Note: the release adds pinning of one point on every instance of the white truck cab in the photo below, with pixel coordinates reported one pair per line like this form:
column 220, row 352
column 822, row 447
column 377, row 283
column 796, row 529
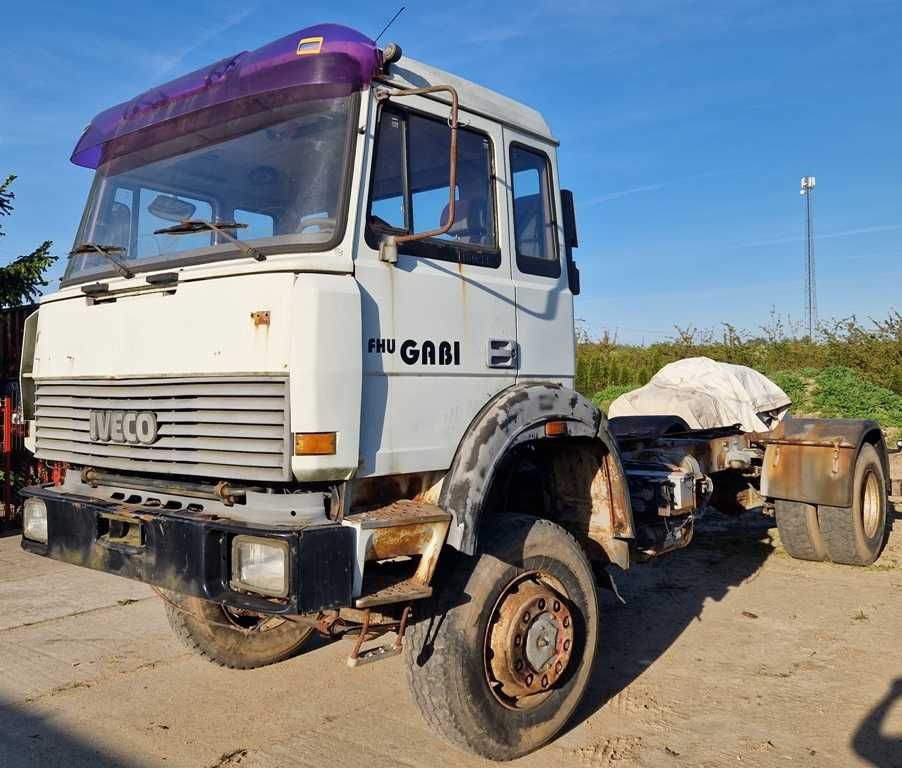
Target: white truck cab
column 311, row 368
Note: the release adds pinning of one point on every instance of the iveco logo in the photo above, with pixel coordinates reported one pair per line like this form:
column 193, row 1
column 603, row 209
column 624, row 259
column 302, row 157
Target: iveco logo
column 123, row 427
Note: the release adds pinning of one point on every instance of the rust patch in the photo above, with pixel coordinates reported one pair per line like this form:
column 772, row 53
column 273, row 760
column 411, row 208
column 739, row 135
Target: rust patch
column 406, row 529
column 810, row 473
column 380, row 491
column 261, row 317
column 399, row 541
column 588, row 500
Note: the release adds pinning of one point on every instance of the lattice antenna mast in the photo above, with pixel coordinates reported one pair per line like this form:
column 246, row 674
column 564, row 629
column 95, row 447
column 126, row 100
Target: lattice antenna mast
column 807, row 192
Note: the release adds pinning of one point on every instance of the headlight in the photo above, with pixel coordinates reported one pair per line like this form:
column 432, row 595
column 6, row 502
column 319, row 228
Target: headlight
column 260, row 565
column 34, row 520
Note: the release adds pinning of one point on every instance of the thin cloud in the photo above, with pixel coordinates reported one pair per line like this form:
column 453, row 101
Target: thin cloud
column 655, row 187
column 624, row 193
column 169, row 63
column 827, row 236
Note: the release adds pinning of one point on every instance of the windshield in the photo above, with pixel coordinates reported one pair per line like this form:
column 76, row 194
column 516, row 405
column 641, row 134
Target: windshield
column 281, row 172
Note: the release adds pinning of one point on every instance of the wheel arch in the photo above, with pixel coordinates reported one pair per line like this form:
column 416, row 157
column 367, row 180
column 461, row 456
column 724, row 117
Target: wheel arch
column 600, row 516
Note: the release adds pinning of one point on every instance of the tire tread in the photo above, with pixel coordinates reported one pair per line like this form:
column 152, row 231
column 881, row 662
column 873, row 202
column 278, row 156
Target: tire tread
column 799, row 530
column 430, row 685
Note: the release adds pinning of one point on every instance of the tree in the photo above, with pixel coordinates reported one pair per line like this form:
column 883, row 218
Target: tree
column 22, row 279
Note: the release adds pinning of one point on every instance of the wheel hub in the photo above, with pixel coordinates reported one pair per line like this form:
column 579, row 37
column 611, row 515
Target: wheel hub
column 530, row 640
column 871, row 505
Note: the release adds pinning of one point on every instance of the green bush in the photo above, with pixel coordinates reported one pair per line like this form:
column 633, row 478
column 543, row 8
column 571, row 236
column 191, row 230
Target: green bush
column 794, row 384
column 609, row 394
column 843, row 393
column 849, row 370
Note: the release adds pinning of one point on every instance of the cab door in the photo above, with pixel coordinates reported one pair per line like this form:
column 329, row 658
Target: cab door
column 439, row 326
column 545, row 333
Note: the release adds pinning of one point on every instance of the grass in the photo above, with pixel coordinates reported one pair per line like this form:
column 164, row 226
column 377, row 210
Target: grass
column 849, row 371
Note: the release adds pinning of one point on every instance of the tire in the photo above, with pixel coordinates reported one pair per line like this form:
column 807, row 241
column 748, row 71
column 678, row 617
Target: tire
column 458, row 645
column 229, row 639
column 855, row 535
column 799, row 530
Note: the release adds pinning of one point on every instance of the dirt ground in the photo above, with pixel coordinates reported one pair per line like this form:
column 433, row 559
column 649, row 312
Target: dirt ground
column 726, row 652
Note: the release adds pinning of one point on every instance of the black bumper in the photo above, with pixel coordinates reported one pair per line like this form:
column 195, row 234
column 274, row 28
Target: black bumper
column 191, row 554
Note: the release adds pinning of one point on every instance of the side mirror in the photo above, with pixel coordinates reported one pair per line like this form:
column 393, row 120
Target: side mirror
column 388, row 248
column 571, row 239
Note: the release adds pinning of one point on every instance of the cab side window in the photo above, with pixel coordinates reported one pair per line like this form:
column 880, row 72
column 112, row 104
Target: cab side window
column 535, row 224
column 409, row 188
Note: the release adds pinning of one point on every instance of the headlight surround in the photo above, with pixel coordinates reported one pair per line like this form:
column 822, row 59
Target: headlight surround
column 260, row 565
column 34, row 520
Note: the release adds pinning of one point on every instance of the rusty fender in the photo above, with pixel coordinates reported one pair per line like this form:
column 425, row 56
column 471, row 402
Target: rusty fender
column 518, row 415
column 813, row 460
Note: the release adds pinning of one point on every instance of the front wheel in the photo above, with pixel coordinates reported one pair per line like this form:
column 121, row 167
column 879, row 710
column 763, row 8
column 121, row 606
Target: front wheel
column 232, row 638
column 504, row 653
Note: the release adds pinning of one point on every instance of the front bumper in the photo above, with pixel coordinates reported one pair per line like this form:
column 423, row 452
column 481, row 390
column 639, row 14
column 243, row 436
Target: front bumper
column 191, row 554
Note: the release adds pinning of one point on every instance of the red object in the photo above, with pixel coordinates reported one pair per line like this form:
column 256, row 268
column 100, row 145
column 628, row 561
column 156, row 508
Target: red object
column 6, row 420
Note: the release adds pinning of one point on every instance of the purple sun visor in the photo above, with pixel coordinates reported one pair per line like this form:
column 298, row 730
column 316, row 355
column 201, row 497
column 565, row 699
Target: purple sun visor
column 324, row 61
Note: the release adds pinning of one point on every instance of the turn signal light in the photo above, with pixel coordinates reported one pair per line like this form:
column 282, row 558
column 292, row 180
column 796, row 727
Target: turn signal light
column 555, row 428
column 314, row 444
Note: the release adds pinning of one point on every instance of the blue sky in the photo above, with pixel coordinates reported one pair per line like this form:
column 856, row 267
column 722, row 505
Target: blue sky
column 685, row 127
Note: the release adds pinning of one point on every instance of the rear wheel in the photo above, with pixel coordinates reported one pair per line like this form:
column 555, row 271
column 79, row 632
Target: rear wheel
column 855, row 535
column 504, row 653
column 230, row 637
column 799, row 530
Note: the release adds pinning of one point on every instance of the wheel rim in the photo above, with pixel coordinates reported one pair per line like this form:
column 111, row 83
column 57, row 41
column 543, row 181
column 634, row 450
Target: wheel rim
column 529, row 640
column 870, row 505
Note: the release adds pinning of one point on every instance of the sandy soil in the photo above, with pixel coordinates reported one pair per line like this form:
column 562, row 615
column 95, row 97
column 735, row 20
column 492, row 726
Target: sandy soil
column 726, row 652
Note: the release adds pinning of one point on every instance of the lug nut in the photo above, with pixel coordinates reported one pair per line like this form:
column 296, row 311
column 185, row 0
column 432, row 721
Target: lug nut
column 566, row 621
column 558, row 667
column 542, row 604
column 557, row 605
column 544, row 681
column 519, row 665
column 529, row 679
column 566, row 645
column 518, row 640
column 526, row 617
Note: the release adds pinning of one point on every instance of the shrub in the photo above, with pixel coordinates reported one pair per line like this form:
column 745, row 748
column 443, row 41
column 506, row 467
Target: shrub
column 843, row 393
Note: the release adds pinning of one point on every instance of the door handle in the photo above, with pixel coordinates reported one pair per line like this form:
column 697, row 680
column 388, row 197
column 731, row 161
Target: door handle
column 502, row 353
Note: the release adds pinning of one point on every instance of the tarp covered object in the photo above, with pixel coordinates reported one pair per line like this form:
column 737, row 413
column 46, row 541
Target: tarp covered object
column 708, row 394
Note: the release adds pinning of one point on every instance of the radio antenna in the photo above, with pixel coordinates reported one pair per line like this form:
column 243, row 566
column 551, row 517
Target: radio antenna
column 390, row 22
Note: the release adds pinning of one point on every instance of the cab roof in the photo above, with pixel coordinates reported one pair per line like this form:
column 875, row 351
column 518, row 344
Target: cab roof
column 410, row 73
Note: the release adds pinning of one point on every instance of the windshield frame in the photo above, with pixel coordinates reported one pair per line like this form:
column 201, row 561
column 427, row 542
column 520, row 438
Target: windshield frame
column 268, row 246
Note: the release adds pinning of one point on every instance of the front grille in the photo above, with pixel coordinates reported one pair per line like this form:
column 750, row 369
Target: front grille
column 235, row 428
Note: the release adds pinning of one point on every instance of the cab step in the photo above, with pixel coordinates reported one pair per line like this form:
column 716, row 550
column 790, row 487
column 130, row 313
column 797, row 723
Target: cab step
column 400, row 592
column 400, row 513
column 403, row 529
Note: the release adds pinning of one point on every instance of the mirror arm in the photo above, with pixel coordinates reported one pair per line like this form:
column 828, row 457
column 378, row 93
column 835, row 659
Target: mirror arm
column 388, row 249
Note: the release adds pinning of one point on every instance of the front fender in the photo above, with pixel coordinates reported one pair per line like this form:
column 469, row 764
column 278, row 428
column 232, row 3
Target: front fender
column 515, row 416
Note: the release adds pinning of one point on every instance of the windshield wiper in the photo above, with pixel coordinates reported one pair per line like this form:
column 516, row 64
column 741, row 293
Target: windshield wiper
column 109, row 252
column 193, row 226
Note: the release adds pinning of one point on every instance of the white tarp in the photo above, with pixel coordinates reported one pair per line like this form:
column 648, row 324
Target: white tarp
column 708, row 394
